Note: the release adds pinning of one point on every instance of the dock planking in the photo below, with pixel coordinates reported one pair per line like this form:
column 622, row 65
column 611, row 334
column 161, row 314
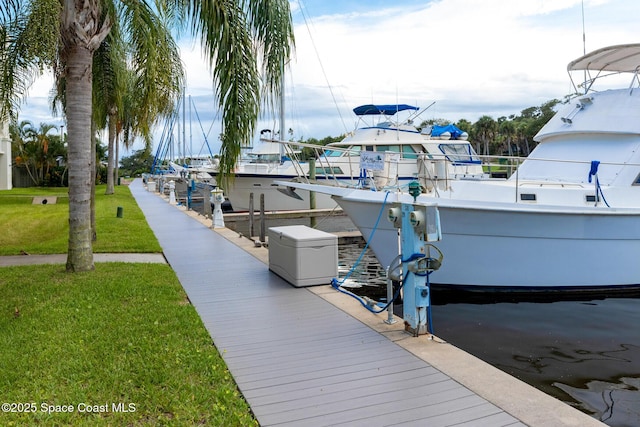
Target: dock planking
column 297, row 359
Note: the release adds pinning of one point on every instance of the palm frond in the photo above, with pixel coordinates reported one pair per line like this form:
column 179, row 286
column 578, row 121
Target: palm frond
column 228, row 44
column 9, row 9
column 109, row 67
column 270, row 21
column 158, row 72
column 28, row 44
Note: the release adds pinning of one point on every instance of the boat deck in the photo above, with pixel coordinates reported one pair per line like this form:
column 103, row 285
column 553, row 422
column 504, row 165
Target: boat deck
column 298, row 359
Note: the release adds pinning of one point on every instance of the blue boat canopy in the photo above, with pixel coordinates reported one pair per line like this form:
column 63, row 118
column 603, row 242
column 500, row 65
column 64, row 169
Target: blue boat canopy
column 451, row 128
column 389, row 110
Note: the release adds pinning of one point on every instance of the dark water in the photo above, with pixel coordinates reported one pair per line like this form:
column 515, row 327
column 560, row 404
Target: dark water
column 329, row 224
column 586, row 353
column 583, row 352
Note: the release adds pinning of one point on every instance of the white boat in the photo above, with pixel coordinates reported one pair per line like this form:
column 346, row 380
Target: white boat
column 396, row 144
column 202, row 169
column 568, row 219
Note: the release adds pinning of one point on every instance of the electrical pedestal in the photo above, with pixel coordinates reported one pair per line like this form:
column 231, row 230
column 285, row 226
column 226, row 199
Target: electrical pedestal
column 419, row 225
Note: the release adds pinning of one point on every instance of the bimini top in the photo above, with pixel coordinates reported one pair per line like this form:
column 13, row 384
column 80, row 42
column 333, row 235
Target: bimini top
column 623, row 58
column 387, row 110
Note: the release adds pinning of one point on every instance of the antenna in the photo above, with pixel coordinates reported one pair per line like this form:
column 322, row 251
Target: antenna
column 584, row 45
column 416, row 114
column 584, row 36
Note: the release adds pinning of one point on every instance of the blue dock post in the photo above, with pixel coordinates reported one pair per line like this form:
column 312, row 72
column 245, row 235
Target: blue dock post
column 190, row 188
column 419, row 225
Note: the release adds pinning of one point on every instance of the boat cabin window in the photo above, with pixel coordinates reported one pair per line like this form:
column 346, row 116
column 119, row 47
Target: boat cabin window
column 383, row 148
column 353, row 150
column 528, row 197
column 591, row 198
column 334, row 170
column 459, row 153
column 637, row 181
column 407, row 151
column 263, row 158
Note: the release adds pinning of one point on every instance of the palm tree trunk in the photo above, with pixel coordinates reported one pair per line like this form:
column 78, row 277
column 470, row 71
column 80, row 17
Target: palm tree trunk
column 117, row 165
column 33, row 179
column 78, row 110
column 94, row 178
column 111, row 148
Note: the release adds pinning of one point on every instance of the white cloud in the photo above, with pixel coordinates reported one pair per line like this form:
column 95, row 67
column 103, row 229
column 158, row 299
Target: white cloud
column 472, row 57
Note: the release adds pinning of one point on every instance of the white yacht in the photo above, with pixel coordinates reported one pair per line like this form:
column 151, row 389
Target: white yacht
column 390, row 145
column 568, row 218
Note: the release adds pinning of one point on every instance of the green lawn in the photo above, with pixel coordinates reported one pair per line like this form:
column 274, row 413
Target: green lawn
column 44, row 229
column 122, row 337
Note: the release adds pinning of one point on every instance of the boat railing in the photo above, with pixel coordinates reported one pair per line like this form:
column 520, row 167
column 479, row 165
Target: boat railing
column 289, row 151
column 436, row 175
column 323, row 157
column 341, row 165
column 500, row 166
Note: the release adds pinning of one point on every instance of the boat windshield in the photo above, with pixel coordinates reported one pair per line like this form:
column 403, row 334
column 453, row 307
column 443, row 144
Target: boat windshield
column 262, row 158
column 353, row 150
column 459, row 153
column 407, row 151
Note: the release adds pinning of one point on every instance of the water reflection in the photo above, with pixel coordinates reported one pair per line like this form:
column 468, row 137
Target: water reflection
column 360, row 272
column 580, row 348
column 614, row 402
column 568, row 343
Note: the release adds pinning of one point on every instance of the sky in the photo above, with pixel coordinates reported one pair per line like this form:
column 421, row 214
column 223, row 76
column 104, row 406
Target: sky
column 460, row 58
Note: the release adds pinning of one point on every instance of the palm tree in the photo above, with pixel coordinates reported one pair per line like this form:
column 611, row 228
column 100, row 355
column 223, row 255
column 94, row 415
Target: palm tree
column 45, row 160
column 21, row 137
column 137, row 80
column 109, row 63
column 64, row 34
column 485, row 129
column 36, row 149
column 508, row 130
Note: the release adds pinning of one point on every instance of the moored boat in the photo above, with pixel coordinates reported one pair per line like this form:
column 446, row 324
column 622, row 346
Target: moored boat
column 568, row 218
column 395, row 142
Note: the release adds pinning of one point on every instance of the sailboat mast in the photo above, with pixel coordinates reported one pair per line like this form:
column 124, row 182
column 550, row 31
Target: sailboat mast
column 282, row 124
column 584, row 46
column 184, row 130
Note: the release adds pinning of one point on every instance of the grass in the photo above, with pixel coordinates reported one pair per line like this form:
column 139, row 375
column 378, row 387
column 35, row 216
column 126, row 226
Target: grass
column 122, row 337
column 123, row 334
column 44, row 229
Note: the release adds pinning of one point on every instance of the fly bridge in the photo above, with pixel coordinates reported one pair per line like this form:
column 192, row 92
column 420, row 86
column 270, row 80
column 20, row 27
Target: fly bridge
column 419, row 225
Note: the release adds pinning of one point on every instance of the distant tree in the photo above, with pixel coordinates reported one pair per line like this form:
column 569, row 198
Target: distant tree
column 431, row 122
column 485, row 130
column 37, row 150
column 137, row 163
column 465, row 125
column 507, row 130
column 530, row 121
column 310, row 153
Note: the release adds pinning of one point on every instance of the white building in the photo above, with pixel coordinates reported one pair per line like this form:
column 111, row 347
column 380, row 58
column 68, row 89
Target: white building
column 5, row 157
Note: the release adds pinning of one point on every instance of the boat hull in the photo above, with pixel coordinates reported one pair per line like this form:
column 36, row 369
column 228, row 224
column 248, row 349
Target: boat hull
column 517, row 248
column 276, row 197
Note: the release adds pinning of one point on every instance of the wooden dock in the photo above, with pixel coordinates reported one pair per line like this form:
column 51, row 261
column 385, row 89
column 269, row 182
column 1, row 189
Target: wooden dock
column 300, row 360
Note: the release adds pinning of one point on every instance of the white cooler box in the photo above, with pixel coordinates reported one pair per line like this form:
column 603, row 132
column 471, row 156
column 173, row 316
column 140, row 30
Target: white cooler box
column 303, row 256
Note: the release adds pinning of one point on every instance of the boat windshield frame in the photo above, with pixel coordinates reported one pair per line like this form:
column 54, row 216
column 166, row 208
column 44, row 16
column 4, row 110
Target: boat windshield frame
column 460, row 153
column 352, row 150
